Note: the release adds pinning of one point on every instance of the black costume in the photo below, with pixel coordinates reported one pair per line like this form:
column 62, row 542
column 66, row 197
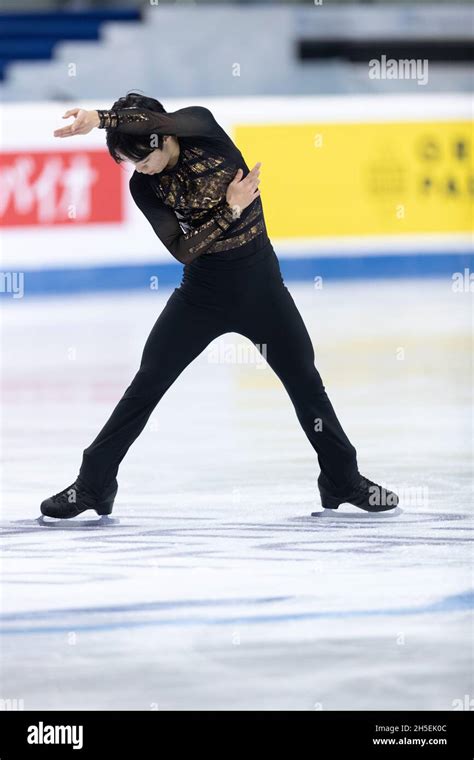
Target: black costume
column 231, row 283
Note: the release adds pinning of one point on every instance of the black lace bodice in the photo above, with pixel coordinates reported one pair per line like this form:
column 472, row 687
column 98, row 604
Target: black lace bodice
column 186, row 205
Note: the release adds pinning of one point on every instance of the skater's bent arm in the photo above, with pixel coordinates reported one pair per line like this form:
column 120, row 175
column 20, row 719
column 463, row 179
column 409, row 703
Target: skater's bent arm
column 184, row 246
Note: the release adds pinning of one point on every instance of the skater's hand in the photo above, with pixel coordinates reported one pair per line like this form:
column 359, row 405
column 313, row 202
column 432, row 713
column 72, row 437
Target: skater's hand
column 241, row 192
column 84, row 122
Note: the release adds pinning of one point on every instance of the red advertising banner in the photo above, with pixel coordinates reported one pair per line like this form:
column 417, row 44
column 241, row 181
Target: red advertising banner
column 43, row 188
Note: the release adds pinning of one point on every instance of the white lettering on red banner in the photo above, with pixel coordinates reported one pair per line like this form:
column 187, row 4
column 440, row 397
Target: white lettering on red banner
column 60, row 187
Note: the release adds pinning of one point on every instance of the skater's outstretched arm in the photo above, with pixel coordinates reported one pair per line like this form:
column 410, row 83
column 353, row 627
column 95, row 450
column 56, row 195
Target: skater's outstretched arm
column 191, row 121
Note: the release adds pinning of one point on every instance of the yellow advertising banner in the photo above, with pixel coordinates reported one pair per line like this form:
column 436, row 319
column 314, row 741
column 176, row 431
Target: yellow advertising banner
column 362, row 179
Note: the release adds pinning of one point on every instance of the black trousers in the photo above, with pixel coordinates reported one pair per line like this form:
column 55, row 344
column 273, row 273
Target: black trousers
column 246, row 296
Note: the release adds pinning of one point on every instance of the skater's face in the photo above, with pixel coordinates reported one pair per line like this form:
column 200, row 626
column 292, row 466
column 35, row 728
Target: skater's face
column 159, row 158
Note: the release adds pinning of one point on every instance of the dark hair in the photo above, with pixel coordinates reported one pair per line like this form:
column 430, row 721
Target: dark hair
column 135, row 147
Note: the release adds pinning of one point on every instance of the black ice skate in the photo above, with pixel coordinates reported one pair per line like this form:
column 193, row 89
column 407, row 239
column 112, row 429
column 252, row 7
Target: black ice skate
column 76, row 499
column 366, row 495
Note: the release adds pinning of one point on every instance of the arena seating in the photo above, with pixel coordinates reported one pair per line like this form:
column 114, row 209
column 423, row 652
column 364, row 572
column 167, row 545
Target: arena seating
column 33, row 36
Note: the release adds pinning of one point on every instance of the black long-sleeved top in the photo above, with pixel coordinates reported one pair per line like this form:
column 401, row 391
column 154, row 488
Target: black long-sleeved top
column 186, row 205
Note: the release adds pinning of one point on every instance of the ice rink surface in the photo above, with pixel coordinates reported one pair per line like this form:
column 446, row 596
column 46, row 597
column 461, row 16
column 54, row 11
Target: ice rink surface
column 212, row 586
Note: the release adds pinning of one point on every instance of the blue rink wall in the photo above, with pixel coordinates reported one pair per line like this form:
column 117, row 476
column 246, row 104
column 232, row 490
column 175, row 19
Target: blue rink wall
column 137, row 276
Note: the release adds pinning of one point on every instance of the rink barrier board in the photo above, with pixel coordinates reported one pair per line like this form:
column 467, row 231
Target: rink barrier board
column 386, row 175
column 363, row 179
column 59, row 281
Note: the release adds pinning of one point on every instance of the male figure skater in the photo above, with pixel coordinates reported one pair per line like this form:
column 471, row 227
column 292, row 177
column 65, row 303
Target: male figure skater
column 194, row 187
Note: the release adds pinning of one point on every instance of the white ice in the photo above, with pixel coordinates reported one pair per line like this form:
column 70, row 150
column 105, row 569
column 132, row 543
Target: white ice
column 212, row 586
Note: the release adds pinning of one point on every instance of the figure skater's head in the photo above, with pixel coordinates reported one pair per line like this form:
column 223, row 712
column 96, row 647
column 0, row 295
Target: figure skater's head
column 149, row 156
